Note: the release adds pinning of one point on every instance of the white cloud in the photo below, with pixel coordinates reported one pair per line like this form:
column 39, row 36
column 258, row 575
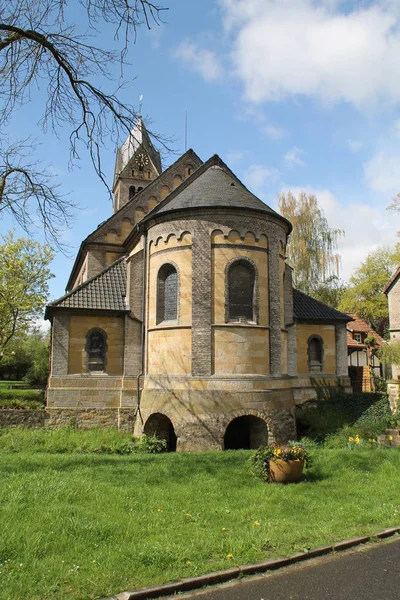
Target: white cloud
column 202, row 61
column 257, row 176
column 294, row 157
column 273, row 132
column 323, row 49
column 366, row 227
column 382, row 172
column 354, row 145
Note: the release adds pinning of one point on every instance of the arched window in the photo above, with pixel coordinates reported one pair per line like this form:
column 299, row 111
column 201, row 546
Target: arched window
column 241, row 282
column 139, row 189
column 315, row 354
column 96, row 349
column 132, row 192
column 167, row 293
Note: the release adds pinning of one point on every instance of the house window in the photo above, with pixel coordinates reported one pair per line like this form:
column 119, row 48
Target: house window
column 96, row 349
column 167, row 294
column 241, row 280
column 315, row 354
column 132, row 192
column 358, row 338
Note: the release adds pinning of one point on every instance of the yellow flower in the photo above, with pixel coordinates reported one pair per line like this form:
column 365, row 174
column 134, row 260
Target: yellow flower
column 223, row 529
column 256, row 523
column 390, row 438
column 187, row 515
column 351, row 440
column 159, row 509
column 188, row 563
column 229, row 556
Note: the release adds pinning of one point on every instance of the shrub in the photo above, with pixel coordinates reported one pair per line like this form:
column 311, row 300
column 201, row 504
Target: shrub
column 322, row 417
column 17, row 403
column 23, row 396
column 150, row 444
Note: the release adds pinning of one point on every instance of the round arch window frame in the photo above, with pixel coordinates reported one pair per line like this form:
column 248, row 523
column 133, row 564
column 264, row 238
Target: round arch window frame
column 320, row 339
column 159, row 320
column 256, row 302
column 89, row 334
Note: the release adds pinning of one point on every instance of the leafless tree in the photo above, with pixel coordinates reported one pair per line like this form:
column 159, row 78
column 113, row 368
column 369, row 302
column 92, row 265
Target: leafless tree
column 41, row 49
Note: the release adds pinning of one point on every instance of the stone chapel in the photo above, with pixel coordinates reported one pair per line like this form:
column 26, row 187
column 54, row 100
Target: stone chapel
column 180, row 318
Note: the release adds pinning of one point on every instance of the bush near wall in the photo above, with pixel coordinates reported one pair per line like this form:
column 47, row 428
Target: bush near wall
column 369, row 412
column 22, row 399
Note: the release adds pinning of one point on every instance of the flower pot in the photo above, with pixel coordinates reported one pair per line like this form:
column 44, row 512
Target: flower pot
column 282, row 471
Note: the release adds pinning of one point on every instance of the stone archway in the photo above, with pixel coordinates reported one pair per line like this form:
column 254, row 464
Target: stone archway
column 161, row 426
column 246, row 432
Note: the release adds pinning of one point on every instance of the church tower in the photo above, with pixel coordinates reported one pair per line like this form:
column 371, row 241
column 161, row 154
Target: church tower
column 137, row 164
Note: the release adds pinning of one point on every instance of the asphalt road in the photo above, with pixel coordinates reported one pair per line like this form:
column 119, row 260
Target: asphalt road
column 369, row 573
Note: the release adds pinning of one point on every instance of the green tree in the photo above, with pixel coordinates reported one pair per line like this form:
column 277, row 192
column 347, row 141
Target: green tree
column 364, row 294
column 49, row 45
column 27, row 357
column 312, row 243
column 24, row 276
column 330, row 292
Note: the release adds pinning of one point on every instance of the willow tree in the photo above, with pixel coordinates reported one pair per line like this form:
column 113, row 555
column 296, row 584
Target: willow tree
column 312, row 243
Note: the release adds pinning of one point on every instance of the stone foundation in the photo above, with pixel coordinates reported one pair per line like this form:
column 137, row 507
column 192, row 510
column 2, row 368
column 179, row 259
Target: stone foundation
column 200, row 418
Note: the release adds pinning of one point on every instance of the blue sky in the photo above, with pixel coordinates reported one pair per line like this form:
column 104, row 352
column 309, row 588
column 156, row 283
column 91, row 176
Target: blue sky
column 292, row 94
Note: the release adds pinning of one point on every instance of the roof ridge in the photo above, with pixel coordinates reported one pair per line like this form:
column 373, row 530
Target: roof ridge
column 214, row 161
column 322, row 304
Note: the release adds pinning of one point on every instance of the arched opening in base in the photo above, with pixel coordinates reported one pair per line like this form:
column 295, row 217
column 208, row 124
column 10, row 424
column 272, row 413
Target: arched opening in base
column 161, row 426
column 246, row 433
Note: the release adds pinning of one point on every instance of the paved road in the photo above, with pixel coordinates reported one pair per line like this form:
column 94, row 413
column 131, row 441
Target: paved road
column 370, row 573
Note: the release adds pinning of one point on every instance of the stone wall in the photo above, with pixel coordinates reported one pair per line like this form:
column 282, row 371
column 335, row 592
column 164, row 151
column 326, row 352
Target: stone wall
column 22, row 418
column 113, row 326
column 394, row 320
column 328, row 335
column 92, row 418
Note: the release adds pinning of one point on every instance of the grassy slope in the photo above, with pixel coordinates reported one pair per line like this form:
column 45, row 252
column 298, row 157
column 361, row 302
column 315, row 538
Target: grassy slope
column 81, row 526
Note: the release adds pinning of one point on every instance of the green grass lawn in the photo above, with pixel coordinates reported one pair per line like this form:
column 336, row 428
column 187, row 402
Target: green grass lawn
column 77, row 526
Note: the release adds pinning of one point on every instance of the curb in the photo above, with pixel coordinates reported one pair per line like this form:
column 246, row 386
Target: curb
column 194, row 583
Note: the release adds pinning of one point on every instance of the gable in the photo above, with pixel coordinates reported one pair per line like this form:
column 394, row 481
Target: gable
column 116, row 228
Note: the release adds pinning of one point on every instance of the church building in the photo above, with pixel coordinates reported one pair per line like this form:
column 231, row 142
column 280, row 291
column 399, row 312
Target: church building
column 180, row 318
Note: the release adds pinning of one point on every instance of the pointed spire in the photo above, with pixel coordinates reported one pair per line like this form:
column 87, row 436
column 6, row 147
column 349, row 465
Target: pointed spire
column 138, row 138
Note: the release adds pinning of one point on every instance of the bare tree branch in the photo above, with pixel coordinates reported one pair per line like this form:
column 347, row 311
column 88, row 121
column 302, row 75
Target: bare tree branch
column 38, row 45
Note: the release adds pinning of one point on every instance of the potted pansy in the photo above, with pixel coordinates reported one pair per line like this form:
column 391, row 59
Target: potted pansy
column 280, row 464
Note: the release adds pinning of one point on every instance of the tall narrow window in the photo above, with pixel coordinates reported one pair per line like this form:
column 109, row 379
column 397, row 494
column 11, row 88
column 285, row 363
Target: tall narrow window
column 315, row 354
column 241, row 280
column 167, row 294
column 132, row 192
column 96, row 350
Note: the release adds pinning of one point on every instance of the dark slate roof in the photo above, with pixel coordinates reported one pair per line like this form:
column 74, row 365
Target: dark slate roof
column 213, row 185
column 308, row 309
column 105, row 291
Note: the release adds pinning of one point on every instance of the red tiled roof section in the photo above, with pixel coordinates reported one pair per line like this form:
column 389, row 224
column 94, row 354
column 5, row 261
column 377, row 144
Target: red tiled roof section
column 358, row 325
